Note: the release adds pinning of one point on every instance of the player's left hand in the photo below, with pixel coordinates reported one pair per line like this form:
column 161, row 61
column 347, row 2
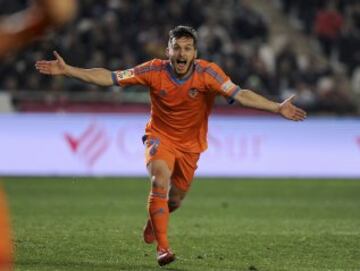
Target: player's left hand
column 290, row 111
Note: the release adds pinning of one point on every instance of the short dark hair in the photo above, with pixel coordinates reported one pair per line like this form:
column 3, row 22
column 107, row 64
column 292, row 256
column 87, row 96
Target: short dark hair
column 183, row 31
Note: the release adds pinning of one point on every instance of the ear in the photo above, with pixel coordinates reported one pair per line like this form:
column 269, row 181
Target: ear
column 167, row 52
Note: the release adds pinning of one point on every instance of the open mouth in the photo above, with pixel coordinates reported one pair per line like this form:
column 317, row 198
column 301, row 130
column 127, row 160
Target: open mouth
column 181, row 63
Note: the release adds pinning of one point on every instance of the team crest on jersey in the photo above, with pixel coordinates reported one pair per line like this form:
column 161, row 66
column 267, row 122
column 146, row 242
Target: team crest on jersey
column 193, row 92
column 121, row 75
column 227, row 86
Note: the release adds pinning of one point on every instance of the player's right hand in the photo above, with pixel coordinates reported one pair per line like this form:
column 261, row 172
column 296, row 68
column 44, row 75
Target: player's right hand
column 53, row 67
column 290, row 111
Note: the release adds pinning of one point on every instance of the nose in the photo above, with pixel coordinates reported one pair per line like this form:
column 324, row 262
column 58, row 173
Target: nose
column 182, row 53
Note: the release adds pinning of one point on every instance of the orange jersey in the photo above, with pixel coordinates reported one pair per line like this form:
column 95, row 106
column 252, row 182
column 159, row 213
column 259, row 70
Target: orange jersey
column 179, row 107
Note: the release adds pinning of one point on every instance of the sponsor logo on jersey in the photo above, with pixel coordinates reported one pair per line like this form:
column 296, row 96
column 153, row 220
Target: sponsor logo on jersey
column 121, row 75
column 193, row 92
column 227, row 86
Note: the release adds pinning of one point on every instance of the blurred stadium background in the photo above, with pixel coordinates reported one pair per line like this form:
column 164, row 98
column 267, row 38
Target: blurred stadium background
column 62, row 127
column 277, row 48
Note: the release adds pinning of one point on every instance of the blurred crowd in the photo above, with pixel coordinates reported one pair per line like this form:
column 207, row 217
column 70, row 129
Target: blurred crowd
column 119, row 34
column 335, row 25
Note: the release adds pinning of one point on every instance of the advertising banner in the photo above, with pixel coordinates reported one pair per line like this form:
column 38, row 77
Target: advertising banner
column 110, row 145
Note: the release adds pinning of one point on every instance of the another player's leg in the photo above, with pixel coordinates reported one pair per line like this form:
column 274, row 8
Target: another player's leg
column 5, row 239
column 158, row 208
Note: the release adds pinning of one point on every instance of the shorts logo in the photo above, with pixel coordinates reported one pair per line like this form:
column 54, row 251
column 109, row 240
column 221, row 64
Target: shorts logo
column 193, row 92
column 227, row 86
column 121, row 75
column 154, row 143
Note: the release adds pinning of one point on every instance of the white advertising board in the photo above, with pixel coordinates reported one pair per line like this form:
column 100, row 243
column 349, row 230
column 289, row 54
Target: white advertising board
column 110, row 145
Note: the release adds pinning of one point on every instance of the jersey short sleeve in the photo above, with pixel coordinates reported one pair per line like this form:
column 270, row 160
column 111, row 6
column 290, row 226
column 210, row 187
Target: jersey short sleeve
column 139, row 75
column 216, row 80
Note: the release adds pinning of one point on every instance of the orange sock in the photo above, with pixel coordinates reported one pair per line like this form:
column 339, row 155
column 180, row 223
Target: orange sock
column 159, row 215
column 5, row 239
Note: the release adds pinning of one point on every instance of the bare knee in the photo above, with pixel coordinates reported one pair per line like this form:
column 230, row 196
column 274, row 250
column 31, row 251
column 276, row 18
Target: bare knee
column 159, row 181
column 159, row 174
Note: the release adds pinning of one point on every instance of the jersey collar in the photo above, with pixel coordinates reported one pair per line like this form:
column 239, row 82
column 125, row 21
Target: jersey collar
column 175, row 79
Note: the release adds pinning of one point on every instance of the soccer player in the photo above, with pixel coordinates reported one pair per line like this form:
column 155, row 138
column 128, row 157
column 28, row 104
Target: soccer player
column 18, row 30
column 182, row 92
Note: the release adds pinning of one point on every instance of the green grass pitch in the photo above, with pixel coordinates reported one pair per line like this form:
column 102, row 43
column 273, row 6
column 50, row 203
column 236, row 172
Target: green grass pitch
column 96, row 224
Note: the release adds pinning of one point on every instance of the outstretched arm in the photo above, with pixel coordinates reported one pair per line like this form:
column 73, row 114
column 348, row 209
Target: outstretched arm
column 96, row 76
column 289, row 111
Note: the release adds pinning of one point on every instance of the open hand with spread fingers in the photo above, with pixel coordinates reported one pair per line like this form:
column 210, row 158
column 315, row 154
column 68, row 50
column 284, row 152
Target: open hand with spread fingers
column 53, row 67
column 290, row 111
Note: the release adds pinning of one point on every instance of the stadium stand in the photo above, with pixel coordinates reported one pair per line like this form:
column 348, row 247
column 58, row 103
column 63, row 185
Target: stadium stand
column 234, row 34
